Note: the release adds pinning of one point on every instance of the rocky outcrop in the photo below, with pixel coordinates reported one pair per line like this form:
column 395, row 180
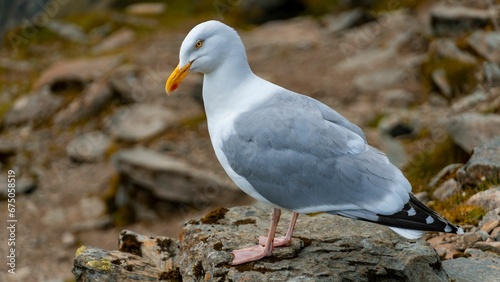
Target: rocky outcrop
column 325, row 248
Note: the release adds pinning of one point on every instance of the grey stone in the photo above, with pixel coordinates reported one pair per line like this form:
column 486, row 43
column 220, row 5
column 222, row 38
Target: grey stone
column 439, row 78
column 125, row 81
column 117, row 39
column 483, row 166
column 449, row 188
column 346, row 20
column 490, row 216
column 483, row 269
column 492, row 74
column 36, row 107
column 91, row 102
column 487, row 44
column 470, row 130
column 68, row 239
column 141, row 121
column 446, row 48
column 379, row 80
column 398, row 98
column 444, row 172
column 67, row 31
column 88, row 147
column 470, row 101
column 488, row 200
column 16, row 65
column 80, row 71
column 298, row 33
column 458, row 20
column 172, row 179
column 480, row 101
column 148, row 8
column 366, row 58
column 493, row 247
column 423, row 197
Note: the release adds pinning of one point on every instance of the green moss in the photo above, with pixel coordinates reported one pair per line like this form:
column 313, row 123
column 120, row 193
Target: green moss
column 376, row 120
column 460, row 75
column 426, row 164
column 4, row 108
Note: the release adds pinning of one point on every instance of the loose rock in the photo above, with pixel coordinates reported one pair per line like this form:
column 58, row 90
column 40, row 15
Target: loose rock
column 89, row 147
column 458, row 20
column 379, row 80
column 172, row 179
column 299, row 33
column 488, row 247
column 487, row 44
column 117, row 39
column 124, row 82
column 67, row 31
column 485, row 269
column 140, row 122
column 346, row 20
column 36, row 107
column 444, row 172
column 147, row 8
column 488, row 200
column 483, row 166
column 449, row 188
column 470, row 130
column 92, row 101
column 80, row 72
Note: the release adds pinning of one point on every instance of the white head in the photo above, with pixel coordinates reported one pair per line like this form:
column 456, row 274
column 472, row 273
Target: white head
column 206, row 48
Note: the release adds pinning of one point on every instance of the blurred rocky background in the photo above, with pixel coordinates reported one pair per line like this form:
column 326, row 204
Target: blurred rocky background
column 98, row 147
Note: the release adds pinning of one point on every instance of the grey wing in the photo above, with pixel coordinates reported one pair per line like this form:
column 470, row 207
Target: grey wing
column 298, row 160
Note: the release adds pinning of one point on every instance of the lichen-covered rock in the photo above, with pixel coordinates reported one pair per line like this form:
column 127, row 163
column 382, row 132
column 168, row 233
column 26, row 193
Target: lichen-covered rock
column 324, row 248
column 140, row 258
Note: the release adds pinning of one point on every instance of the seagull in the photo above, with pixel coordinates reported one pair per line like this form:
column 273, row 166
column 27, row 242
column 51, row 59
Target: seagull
column 291, row 151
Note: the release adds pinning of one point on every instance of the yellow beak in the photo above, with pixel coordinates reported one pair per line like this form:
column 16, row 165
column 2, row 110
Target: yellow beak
column 177, row 77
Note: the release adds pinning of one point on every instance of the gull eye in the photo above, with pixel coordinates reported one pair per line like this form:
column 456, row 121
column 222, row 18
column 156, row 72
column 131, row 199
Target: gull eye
column 198, row 44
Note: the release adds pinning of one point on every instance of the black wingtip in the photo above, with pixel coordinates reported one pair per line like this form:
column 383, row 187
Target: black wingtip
column 417, row 216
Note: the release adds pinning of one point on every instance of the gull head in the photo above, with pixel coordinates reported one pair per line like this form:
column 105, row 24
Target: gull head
column 205, row 49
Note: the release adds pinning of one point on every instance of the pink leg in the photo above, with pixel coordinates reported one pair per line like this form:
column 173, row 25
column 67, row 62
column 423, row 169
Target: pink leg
column 257, row 252
column 282, row 241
